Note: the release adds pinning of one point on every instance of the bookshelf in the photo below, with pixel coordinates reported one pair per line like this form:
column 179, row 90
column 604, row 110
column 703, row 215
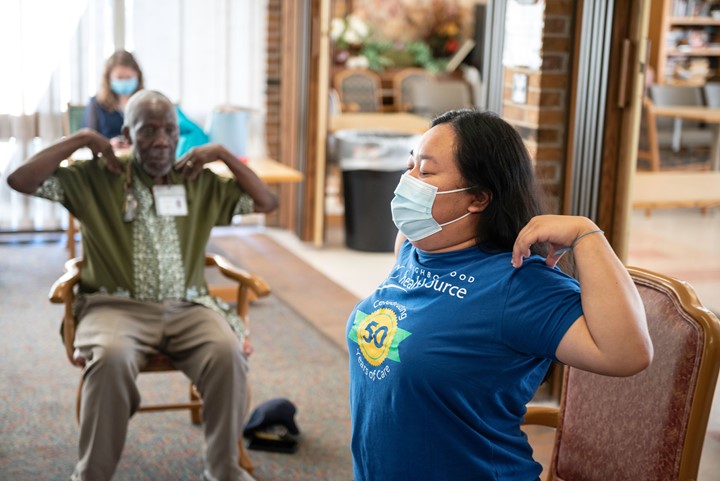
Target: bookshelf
column 685, row 41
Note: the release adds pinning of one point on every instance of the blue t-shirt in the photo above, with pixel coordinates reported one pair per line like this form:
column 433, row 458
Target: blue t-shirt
column 444, row 357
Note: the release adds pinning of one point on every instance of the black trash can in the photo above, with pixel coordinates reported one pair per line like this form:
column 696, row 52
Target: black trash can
column 371, row 163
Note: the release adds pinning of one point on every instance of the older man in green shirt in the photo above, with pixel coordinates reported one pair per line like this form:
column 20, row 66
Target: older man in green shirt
column 145, row 222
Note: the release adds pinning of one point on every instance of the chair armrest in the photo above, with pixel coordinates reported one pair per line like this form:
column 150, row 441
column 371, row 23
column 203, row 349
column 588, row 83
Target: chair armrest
column 255, row 283
column 62, row 289
column 249, row 286
column 63, row 292
column 542, row 415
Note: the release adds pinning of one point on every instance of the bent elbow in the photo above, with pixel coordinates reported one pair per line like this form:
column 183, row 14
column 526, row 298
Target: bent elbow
column 16, row 184
column 268, row 205
column 648, row 355
column 12, row 181
column 638, row 361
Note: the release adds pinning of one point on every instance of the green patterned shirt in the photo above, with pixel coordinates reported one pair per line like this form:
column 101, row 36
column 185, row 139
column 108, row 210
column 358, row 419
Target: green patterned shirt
column 154, row 257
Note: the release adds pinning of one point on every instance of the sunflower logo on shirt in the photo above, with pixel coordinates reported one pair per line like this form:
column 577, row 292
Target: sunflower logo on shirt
column 378, row 335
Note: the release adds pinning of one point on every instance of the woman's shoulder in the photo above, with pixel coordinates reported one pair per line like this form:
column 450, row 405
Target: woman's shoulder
column 97, row 107
column 535, row 274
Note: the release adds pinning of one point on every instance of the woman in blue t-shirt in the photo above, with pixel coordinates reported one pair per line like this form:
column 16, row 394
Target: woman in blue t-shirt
column 449, row 349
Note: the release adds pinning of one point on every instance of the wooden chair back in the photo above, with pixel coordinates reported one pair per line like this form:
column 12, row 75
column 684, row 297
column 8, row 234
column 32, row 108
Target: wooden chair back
column 403, row 84
column 651, row 425
column 434, row 98
column 73, row 118
column 359, row 90
column 248, row 287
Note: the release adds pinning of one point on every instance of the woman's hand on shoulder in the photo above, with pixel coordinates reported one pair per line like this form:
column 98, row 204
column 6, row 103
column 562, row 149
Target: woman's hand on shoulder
column 560, row 231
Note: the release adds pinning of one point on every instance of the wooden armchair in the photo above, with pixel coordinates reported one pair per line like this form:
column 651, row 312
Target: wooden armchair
column 249, row 287
column 651, row 425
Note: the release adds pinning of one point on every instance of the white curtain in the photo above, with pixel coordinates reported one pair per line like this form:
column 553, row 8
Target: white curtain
column 200, row 53
column 52, row 54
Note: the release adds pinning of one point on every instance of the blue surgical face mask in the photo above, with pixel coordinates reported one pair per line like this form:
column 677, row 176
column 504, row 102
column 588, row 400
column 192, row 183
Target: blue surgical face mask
column 124, row 86
column 412, row 208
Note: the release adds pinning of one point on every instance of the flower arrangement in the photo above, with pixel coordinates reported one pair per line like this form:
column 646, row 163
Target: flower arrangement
column 349, row 32
column 443, row 34
column 381, row 55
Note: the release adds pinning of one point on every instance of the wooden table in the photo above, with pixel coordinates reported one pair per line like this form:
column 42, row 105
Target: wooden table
column 653, row 190
column 710, row 115
column 394, row 121
column 270, row 171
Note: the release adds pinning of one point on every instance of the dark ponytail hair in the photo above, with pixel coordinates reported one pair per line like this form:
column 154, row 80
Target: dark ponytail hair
column 492, row 157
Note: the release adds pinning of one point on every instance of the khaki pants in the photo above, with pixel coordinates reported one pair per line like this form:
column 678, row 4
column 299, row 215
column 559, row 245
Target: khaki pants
column 115, row 335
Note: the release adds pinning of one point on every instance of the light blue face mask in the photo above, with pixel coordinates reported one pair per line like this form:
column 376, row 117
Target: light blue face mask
column 124, row 86
column 412, row 208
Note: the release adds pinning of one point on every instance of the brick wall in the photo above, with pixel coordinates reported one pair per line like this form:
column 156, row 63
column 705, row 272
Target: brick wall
column 272, row 93
column 542, row 120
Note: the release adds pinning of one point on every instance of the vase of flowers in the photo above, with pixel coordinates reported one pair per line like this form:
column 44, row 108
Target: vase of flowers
column 348, row 35
column 443, row 35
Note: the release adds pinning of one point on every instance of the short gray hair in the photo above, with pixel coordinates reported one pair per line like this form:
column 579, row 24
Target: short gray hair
column 141, row 97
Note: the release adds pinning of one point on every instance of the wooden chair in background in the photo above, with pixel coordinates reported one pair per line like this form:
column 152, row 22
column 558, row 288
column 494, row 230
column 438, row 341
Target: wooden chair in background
column 72, row 122
column 677, row 133
column 434, row 98
column 403, row 82
column 73, row 118
column 651, row 149
column 249, row 287
column 711, row 92
column 651, row 425
column 359, row 90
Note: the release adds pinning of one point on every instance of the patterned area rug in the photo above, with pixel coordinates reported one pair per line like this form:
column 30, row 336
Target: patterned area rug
column 39, row 432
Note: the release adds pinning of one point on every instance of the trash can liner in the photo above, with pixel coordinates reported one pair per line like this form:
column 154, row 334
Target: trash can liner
column 374, row 150
column 372, row 163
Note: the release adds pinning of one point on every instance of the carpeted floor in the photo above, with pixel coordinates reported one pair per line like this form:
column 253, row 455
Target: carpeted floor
column 300, row 354
column 292, row 359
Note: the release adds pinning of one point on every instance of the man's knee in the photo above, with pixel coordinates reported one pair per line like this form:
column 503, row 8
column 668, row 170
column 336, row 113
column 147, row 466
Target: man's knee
column 227, row 352
column 115, row 356
column 109, row 380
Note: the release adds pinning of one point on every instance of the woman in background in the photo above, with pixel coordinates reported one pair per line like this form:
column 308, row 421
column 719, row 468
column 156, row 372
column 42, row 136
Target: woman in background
column 121, row 78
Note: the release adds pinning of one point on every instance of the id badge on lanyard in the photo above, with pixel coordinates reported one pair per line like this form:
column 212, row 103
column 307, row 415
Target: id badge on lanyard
column 170, row 200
